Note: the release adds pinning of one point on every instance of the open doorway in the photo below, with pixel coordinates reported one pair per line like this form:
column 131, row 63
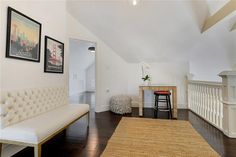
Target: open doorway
column 82, row 86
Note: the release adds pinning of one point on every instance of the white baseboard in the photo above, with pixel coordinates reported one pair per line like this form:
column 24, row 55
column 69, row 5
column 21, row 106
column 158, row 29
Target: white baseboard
column 102, row 108
column 182, row 106
column 230, row 134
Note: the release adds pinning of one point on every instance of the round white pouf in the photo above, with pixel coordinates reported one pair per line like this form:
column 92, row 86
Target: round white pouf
column 120, row 104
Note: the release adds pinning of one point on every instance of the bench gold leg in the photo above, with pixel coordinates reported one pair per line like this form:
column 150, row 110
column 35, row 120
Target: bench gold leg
column 0, row 149
column 37, row 151
column 88, row 116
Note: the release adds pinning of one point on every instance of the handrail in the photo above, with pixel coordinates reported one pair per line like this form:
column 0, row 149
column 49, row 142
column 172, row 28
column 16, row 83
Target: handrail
column 211, row 83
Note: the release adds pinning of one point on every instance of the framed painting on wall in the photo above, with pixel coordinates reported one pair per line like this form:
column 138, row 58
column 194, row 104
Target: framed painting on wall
column 23, row 37
column 54, row 56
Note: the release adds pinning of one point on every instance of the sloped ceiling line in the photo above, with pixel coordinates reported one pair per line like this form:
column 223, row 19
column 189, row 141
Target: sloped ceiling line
column 219, row 15
column 154, row 31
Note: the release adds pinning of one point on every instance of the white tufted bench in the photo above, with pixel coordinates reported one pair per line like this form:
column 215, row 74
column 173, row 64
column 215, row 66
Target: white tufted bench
column 33, row 116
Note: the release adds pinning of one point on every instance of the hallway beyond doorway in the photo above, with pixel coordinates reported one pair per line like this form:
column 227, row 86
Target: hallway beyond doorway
column 82, row 72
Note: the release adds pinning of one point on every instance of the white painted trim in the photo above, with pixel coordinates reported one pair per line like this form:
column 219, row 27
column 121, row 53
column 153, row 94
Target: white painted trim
column 226, row 73
column 182, row 106
column 102, row 109
column 205, row 82
column 229, row 134
column 228, row 102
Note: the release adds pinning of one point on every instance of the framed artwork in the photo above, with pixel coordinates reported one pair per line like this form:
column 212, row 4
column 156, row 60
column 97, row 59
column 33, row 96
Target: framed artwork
column 54, row 56
column 23, row 37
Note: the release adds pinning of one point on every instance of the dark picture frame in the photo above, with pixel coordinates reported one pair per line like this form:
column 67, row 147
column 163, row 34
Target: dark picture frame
column 54, row 56
column 23, row 39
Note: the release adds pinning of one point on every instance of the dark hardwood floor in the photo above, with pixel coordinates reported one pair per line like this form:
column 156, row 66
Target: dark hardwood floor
column 78, row 141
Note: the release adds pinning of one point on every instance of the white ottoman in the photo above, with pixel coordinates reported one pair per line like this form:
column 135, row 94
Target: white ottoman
column 120, row 104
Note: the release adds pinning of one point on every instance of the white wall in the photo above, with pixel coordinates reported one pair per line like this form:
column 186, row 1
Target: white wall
column 214, row 50
column 167, row 73
column 18, row 74
column 25, row 74
column 110, row 68
column 210, row 56
column 1, row 45
column 90, row 78
column 234, row 52
column 115, row 76
column 80, row 60
column 133, row 34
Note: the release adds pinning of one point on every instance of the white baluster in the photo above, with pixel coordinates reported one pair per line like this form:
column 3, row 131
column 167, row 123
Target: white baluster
column 198, row 97
column 193, row 101
column 190, row 96
column 214, row 105
column 188, row 92
column 210, row 94
column 217, row 107
column 194, row 97
column 205, row 100
column 200, row 101
column 221, row 109
column 207, row 103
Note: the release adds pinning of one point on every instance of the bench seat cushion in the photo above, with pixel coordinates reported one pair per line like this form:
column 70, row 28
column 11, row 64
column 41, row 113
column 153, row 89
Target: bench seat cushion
column 36, row 129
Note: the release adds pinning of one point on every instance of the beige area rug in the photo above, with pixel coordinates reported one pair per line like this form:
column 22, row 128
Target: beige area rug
column 142, row 137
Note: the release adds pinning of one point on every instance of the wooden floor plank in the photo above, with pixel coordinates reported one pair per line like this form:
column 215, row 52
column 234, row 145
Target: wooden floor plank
column 80, row 142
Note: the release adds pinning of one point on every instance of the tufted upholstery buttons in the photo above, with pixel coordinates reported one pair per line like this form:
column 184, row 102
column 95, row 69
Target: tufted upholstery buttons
column 21, row 105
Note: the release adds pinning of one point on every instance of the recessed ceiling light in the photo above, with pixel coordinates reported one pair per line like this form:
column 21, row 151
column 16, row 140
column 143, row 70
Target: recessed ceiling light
column 134, row 2
column 91, row 49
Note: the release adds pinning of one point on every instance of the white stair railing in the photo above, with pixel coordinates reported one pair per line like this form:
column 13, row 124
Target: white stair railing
column 205, row 99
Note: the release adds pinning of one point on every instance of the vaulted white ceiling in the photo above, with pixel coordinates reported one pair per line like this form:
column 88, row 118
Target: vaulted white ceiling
column 156, row 30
